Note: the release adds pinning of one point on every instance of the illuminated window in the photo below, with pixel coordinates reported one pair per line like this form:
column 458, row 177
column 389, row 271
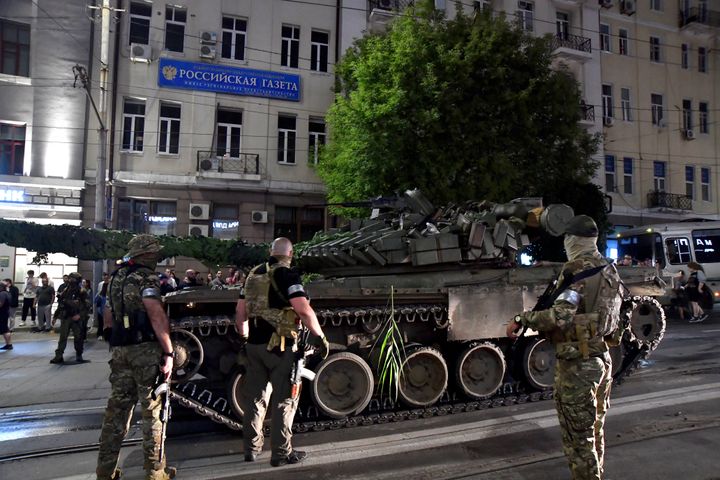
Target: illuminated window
column 316, row 130
column 169, row 137
column 175, row 18
column 12, row 149
column 287, row 134
column 133, row 125
column 319, row 42
column 147, row 216
column 225, row 224
column 290, row 46
column 140, row 14
column 229, row 133
column 234, row 31
column 14, row 48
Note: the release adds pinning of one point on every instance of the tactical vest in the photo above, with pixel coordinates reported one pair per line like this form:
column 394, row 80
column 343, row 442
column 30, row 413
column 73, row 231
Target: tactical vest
column 257, row 299
column 130, row 325
column 597, row 322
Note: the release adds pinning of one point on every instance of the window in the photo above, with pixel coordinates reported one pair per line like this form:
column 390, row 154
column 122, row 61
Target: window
column 14, row 49
column 702, row 60
column 687, row 115
column 656, row 107
column 659, row 176
column 562, row 25
column 140, row 14
column 286, row 139
column 607, row 101
column 703, row 117
column 169, row 138
column 685, row 56
column 316, row 129
column 225, row 224
column 655, row 49
column 175, row 18
column 656, row 5
column 290, row 46
column 628, row 175
column 525, row 15
column 690, row 181
column 229, row 133
column 678, row 250
column 297, row 224
column 705, row 184
column 625, row 104
column 147, row 216
column 133, row 125
column 610, row 173
column 319, row 51
column 12, row 149
column 605, row 38
column 705, row 242
column 623, row 42
column 234, row 31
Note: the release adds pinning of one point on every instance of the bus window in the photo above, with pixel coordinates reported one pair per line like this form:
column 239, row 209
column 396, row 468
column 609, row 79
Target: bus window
column 707, row 245
column 678, row 250
column 641, row 247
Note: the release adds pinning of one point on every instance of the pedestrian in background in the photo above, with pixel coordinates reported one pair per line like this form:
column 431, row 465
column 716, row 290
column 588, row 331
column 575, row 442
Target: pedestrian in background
column 74, row 307
column 31, row 286
column 100, row 300
column 172, row 279
column 14, row 302
column 44, row 299
column 581, row 321
column 4, row 312
column 694, row 288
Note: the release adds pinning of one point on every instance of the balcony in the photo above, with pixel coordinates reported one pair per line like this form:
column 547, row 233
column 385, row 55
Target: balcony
column 246, row 166
column 383, row 11
column 658, row 199
column 587, row 114
column 571, row 47
column 700, row 21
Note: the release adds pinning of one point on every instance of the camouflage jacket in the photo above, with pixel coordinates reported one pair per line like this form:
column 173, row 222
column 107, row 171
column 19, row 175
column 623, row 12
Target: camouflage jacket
column 74, row 301
column 125, row 290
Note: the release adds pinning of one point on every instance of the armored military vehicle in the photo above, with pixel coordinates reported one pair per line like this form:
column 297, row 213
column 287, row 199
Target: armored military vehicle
column 446, row 279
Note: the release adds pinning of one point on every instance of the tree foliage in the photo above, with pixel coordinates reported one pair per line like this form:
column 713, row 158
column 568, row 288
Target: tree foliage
column 465, row 108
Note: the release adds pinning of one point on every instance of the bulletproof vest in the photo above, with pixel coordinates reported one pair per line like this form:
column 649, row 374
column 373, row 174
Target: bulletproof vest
column 131, row 324
column 602, row 296
column 257, row 299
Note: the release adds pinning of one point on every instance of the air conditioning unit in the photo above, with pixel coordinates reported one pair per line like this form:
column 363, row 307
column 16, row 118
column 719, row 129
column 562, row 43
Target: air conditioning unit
column 608, row 121
column 627, row 7
column 140, row 52
column 606, row 3
column 199, row 211
column 689, row 134
column 208, row 38
column 207, row 51
column 259, row 216
column 195, row 230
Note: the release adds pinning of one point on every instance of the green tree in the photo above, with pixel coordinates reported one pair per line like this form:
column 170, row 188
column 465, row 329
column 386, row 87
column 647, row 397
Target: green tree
column 462, row 108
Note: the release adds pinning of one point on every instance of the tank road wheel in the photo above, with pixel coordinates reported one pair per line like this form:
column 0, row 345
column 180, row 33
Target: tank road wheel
column 424, row 378
column 480, row 370
column 189, row 355
column 343, row 385
column 539, row 363
column 647, row 322
column 235, row 387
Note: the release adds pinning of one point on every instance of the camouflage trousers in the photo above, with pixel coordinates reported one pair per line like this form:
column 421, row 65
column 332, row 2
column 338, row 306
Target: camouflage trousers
column 79, row 331
column 264, row 367
column 582, row 398
column 133, row 371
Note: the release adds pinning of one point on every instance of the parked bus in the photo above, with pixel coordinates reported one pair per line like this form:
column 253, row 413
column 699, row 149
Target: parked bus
column 671, row 246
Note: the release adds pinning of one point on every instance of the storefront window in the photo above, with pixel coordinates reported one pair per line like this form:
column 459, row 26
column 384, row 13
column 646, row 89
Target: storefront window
column 147, row 216
column 225, row 224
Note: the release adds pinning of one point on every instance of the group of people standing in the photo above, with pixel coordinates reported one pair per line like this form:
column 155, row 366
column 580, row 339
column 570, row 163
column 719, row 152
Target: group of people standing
column 691, row 293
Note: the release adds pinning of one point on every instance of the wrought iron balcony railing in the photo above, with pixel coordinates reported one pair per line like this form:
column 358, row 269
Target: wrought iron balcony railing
column 394, row 5
column 657, row 198
column 587, row 113
column 703, row 16
column 244, row 163
column 575, row 42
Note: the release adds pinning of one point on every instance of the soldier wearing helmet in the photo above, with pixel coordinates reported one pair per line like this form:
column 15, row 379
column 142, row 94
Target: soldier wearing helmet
column 581, row 323
column 138, row 331
column 73, row 309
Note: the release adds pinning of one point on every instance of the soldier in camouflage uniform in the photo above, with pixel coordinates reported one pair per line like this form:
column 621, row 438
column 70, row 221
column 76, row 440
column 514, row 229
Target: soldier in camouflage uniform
column 580, row 323
column 138, row 331
column 73, row 309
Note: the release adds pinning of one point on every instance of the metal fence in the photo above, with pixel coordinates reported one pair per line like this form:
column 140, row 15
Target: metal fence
column 669, row 200
column 575, row 42
column 246, row 163
column 704, row 16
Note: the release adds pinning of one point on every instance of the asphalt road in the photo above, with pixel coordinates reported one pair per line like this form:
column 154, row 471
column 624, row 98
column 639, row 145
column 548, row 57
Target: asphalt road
column 663, row 424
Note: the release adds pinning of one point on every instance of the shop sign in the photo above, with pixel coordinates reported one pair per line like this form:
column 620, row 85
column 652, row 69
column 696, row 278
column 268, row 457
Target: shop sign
column 12, row 195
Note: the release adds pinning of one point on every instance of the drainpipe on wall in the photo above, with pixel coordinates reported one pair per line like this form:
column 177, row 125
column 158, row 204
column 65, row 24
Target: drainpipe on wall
column 111, row 154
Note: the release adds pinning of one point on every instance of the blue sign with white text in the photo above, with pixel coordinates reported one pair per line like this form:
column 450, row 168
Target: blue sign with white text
column 233, row 80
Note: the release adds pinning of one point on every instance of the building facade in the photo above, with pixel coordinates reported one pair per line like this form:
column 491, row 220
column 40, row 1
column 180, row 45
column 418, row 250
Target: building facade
column 42, row 121
column 660, row 98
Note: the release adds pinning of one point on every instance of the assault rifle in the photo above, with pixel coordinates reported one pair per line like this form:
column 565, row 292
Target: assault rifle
column 163, row 388
column 299, row 371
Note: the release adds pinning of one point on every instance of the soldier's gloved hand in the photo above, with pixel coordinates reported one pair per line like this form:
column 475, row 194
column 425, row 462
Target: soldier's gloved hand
column 324, row 348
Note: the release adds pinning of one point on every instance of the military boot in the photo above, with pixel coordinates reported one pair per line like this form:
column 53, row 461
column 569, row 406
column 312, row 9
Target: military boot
column 57, row 360
column 79, row 358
